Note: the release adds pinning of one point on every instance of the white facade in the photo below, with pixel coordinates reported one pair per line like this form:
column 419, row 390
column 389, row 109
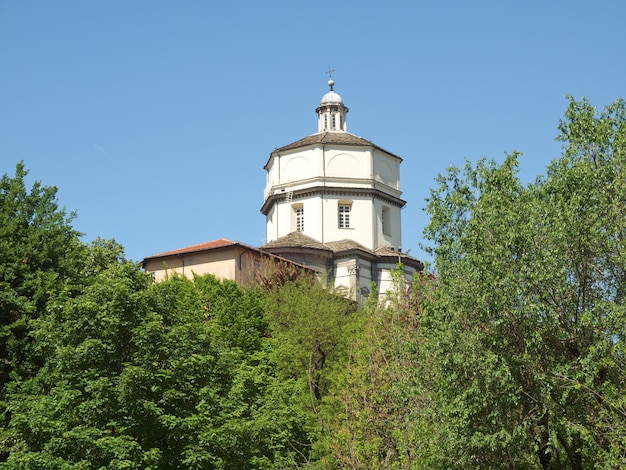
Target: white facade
column 333, row 186
column 312, row 178
column 332, row 206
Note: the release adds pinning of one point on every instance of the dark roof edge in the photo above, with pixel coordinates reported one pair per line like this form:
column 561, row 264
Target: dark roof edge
column 360, row 142
column 332, row 190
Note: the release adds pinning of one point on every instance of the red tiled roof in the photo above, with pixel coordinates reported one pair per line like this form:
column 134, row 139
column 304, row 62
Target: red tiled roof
column 221, row 243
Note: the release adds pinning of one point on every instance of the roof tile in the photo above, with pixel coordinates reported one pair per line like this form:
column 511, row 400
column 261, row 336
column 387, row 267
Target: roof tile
column 296, row 239
column 337, row 138
column 220, row 243
column 347, row 244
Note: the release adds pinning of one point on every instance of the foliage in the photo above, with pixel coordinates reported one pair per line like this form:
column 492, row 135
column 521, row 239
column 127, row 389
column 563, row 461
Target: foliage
column 40, row 255
column 308, row 322
column 526, row 327
column 170, row 375
column 272, row 272
column 513, row 356
column 310, row 329
column 375, row 412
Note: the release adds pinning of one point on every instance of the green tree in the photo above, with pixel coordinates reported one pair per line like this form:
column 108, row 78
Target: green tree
column 71, row 414
column 308, row 323
column 310, row 330
column 40, row 255
column 376, row 410
column 526, row 327
column 142, row 375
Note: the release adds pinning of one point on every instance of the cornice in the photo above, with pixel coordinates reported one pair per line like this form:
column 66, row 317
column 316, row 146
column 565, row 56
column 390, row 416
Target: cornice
column 334, row 191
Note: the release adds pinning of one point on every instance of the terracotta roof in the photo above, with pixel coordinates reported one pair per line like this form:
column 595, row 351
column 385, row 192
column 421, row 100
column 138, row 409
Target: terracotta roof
column 221, row 243
column 296, row 240
column 336, row 138
column 291, row 240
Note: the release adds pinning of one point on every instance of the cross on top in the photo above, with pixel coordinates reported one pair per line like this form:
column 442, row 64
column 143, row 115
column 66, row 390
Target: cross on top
column 331, row 82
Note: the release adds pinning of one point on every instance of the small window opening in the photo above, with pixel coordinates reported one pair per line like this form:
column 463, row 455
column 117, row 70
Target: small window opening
column 385, row 221
column 300, row 219
column 344, row 215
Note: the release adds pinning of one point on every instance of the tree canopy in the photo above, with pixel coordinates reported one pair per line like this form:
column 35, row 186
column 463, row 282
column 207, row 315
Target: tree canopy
column 142, row 375
column 40, row 255
column 528, row 323
column 512, row 354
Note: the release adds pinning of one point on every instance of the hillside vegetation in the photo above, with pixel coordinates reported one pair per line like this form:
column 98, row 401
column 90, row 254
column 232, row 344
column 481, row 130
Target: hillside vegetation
column 511, row 354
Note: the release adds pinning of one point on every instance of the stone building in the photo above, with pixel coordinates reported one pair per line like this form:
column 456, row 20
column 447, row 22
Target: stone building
column 332, row 203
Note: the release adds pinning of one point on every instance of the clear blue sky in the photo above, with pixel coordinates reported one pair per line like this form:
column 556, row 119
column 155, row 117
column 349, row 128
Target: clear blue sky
column 154, row 119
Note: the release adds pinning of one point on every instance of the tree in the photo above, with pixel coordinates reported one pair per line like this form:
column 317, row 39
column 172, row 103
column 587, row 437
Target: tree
column 527, row 323
column 73, row 413
column 40, row 256
column 308, row 323
column 143, row 375
column 375, row 411
column 310, row 329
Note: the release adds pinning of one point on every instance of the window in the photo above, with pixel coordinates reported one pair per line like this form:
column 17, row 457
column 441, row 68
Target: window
column 344, row 215
column 300, row 219
column 385, row 220
column 333, row 122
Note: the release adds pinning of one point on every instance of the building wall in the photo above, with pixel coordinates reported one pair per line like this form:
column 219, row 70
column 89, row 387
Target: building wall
column 361, row 219
column 386, row 170
column 355, row 167
column 353, row 276
column 393, row 235
column 223, row 264
column 321, row 220
column 338, row 169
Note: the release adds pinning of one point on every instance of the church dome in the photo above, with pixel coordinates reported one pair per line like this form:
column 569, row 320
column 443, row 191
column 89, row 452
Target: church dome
column 331, row 96
column 331, row 113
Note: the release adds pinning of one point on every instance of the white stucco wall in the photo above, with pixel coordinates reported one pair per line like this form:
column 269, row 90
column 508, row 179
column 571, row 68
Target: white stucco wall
column 393, row 237
column 327, row 167
column 352, row 275
column 362, row 166
column 386, row 169
column 361, row 219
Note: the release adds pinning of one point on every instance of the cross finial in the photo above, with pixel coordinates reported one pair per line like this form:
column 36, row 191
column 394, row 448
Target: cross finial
column 331, row 82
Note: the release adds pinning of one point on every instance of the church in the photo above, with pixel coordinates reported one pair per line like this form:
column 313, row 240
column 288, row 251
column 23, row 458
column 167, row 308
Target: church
column 332, row 204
